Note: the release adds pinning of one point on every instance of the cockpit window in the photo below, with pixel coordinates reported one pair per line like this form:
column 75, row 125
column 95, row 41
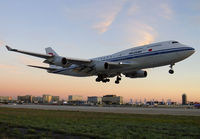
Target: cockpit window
column 174, row 42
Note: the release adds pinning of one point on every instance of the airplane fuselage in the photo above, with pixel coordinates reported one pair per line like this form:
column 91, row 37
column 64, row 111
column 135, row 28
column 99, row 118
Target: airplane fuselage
column 142, row 57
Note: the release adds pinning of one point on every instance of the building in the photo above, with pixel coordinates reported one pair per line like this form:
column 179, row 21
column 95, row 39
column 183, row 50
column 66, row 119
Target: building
column 5, row 99
column 184, row 99
column 37, row 99
column 112, row 99
column 75, row 98
column 94, row 100
column 25, row 99
column 47, row 98
column 169, row 102
column 55, row 99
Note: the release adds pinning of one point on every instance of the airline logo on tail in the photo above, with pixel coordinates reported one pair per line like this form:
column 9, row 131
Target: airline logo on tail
column 51, row 54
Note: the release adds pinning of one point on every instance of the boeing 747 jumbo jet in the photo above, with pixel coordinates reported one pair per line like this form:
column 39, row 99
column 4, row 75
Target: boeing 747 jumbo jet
column 130, row 62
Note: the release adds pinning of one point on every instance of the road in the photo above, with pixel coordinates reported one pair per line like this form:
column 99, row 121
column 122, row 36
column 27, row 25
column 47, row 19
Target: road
column 130, row 110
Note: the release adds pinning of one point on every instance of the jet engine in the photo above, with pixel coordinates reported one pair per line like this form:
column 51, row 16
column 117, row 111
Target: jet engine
column 101, row 66
column 58, row 61
column 136, row 74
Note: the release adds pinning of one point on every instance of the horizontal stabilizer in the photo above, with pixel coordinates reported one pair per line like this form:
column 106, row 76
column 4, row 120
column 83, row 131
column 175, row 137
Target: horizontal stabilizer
column 46, row 68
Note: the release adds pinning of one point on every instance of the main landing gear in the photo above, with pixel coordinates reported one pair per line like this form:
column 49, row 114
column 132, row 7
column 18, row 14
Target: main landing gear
column 118, row 79
column 104, row 80
column 171, row 71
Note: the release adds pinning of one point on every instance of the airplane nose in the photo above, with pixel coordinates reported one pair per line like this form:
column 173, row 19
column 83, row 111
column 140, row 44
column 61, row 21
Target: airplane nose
column 191, row 49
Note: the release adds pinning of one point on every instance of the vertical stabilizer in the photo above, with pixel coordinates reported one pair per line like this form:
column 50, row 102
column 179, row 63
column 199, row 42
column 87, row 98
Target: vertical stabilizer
column 50, row 51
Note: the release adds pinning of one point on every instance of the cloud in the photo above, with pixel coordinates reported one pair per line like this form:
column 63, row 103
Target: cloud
column 99, row 15
column 147, row 38
column 103, row 26
column 107, row 17
column 166, row 11
column 141, row 34
column 132, row 9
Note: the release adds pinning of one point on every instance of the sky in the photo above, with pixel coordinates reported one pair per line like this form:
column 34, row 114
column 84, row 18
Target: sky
column 92, row 28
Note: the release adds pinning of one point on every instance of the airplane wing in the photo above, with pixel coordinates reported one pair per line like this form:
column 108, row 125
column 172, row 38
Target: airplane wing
column 50, row 57
column 29, row 53
column 82, row 65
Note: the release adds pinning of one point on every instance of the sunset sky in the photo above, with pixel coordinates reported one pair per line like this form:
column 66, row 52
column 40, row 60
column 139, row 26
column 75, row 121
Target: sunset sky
column 92, row 28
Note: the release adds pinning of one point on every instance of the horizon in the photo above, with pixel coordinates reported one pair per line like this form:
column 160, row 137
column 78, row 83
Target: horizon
column 92, row 29
column 127, row 100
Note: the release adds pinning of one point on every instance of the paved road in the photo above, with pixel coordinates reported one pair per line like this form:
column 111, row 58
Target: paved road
column 131, row 110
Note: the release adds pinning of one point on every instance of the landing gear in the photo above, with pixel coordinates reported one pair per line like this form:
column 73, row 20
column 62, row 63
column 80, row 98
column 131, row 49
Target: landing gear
column 118, row 79
column 98, row 79
column 171, row 71
column 103, row 79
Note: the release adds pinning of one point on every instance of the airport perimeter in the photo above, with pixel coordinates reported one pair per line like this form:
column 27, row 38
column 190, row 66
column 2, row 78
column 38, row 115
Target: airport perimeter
column 76, row 123
column 128, row 110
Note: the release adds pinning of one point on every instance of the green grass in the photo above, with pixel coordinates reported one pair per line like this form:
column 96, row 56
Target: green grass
column 30, row 123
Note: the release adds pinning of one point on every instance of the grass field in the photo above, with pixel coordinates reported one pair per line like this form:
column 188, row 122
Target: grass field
column 30, row 123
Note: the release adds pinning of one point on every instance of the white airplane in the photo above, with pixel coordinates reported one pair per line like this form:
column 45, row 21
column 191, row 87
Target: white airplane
column 129, row 62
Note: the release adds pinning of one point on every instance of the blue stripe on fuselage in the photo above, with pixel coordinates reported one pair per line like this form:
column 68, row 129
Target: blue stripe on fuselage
column 149, row 54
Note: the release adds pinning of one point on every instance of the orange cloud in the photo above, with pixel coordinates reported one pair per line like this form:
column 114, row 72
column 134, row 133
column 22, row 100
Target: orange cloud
column 141, row 34
column 147, row 38
column 104, row 25
column 107, row 17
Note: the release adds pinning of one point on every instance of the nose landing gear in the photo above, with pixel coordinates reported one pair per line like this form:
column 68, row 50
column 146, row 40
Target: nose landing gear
column 171, row 71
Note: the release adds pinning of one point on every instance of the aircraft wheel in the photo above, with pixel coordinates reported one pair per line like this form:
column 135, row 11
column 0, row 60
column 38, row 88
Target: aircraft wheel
column 107, row 80
column 117, row 82
column 171, row 71
column 98, row 80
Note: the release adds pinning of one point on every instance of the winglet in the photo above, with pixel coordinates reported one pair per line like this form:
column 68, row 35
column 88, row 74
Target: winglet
column 9, row 48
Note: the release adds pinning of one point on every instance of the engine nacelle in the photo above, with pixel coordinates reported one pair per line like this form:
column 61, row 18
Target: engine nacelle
column 136, row 74
column 60, row 61
column 101, row 66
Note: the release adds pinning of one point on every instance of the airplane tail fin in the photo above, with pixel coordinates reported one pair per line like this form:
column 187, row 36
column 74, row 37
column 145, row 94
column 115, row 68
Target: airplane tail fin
column 50, row 51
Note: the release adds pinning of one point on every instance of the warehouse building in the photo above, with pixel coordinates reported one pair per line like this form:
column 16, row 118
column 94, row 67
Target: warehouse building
column 55, row 99
column 112, row 99
column 47, row 98
column 5, row 99
column 94, row 100
column 75, row 100
column 37, row 99
column 25, row 99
